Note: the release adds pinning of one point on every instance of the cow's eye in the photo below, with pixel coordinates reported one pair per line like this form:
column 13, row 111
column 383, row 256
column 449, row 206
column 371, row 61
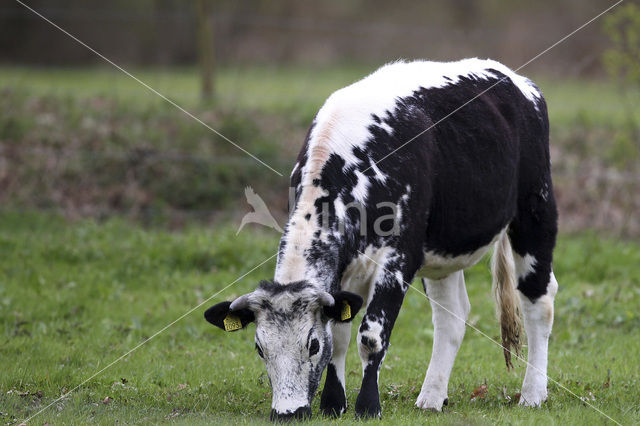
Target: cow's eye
column 314, row 347
column 259, row 351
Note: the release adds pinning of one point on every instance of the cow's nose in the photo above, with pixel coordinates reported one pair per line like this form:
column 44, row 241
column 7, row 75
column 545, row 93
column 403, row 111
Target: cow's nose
column 301, row 413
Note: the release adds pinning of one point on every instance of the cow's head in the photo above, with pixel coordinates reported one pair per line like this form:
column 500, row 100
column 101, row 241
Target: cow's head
column 293, row 337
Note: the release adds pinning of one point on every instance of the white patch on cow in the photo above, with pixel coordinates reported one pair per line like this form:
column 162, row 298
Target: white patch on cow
column 384, row 126
column 341, row 335
column 538, row 321
column 340, row 208
column 364, row 270
column 382, row 256
column 544, row 191
column 437, row 266
column 450, row 309
column 524, row 265
column 380, row 177
column 405, row 196
column 360, row 192
column 526, row 86
column 359, row 274
column 402, row 203
column 399, row 277
column 292, row 265
column 373, row 338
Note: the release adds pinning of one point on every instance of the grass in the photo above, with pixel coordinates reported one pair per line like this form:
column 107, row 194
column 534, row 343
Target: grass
column 76, row 296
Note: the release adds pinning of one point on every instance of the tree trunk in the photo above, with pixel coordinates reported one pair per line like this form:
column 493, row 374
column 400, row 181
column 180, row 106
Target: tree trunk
column 205, row 48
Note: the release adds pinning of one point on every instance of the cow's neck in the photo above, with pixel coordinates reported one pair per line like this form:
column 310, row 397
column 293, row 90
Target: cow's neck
column 308, row 251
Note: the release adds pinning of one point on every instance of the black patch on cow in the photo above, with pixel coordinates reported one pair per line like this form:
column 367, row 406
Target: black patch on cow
column 274, row 288
column 314, row 347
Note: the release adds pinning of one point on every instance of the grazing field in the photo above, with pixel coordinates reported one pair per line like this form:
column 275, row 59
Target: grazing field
column 74, row 296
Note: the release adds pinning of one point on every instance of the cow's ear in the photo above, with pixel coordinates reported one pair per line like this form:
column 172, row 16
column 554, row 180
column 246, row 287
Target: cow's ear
column 221, row 316
column 346, row 306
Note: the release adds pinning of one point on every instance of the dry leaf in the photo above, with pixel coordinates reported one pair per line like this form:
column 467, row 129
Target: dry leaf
column 182, row 386
column 479, row 392
column 107, row 399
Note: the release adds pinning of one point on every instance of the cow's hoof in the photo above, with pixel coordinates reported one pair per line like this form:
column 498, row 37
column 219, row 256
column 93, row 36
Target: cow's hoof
column 431, row 401
column 368, row 413
column 368, row 409
column 532, row 399
column 333, row 411
column 333, row 402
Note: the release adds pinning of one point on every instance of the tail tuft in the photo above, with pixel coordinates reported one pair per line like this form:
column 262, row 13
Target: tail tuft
column 507, row 302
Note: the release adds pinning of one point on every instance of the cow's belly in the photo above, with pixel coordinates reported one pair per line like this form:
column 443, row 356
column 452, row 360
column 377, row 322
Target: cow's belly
column 438, row 266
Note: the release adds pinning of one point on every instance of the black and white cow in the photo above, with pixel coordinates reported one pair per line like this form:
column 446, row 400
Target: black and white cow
column 480, row 178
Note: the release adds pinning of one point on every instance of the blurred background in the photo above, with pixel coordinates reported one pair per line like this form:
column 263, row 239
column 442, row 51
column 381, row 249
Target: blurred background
column 80, row 138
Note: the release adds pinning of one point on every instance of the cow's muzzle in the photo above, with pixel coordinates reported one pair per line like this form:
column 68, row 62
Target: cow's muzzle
column 301, row 413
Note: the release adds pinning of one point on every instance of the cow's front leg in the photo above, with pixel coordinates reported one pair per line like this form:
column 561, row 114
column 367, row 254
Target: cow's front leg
column 373, row 339
column 334, row 398
column 450, row 309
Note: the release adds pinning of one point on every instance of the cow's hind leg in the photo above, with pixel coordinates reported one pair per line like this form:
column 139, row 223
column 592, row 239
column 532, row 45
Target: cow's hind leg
column 538, row 320
column 450, row 309
column 334, row 400
column 532, row 237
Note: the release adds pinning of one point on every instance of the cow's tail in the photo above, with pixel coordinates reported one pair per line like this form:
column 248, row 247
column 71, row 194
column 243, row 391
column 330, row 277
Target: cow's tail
column 507, row 303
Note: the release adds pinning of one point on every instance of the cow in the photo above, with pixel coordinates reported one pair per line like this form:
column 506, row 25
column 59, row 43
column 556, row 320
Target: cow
column 416, row 170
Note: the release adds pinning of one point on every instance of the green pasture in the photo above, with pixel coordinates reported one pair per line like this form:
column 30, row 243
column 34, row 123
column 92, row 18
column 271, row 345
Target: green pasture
column 76, row 296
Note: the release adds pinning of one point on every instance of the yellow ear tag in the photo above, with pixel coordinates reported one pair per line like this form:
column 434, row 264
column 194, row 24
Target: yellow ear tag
column 232, row 323
column 346, row 311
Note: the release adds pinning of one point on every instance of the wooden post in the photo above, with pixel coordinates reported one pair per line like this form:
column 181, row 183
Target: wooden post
column 205, row 48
